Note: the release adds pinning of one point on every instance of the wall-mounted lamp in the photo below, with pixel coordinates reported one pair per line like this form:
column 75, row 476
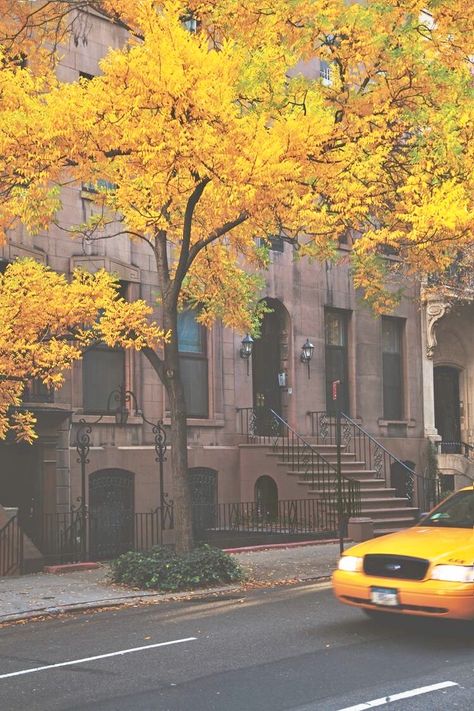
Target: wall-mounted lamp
column 307, row 353
column 246, row 349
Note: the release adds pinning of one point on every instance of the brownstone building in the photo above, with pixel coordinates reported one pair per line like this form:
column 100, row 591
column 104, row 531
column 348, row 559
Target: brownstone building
column 376, row 361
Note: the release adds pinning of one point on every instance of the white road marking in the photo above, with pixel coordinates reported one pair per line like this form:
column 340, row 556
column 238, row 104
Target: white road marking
column 98, row 656
column 401, row 695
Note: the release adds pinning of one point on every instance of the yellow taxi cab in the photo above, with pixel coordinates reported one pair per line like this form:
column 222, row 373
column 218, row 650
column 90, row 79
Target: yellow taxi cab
column 424, row 570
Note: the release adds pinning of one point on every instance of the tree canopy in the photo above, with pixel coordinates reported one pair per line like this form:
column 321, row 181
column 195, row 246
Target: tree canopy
column 228, row 126
column 212, row 129
column 46, row 324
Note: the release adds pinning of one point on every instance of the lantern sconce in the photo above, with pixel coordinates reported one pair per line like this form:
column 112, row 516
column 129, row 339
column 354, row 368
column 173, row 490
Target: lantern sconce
column 246, row 349
column 307, row 353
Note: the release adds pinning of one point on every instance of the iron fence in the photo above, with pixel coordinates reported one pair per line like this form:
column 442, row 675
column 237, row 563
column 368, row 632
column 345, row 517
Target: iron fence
column 292, row 516
column 80, row 534
column 11, row 548
column 258, row 425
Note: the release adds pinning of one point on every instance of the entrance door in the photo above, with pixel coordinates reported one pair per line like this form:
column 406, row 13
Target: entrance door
column 20, row 483
column 266, row 361
column 203, row 485
column 266, row 496
column 111, row 508
column 447, row 410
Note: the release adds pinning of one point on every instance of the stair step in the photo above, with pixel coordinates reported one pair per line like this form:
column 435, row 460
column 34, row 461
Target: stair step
column 353, row 475
column 347, row 460
column 386, row 531
column 381, row 503
column 371, row 489
column 328, row 448
column 368, row 485
column 400, row 512
column 394, row 523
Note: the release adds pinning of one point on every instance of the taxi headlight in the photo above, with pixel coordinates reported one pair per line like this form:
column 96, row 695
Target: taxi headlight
column 350, row 563
column 453, row 573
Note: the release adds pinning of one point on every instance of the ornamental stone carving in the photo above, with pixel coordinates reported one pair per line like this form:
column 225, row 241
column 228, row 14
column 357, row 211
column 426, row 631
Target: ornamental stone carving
column 435, row 310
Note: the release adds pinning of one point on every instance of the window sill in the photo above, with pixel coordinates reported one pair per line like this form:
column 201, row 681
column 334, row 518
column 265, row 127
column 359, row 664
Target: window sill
column 197, row 422
column 386, row 423
column 105, row 420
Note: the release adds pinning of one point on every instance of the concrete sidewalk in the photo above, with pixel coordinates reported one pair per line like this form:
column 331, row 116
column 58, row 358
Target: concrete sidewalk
column 42, row 594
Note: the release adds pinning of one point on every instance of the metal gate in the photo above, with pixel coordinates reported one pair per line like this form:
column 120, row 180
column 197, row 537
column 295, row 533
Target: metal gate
column 203, row 484
column 111, row 513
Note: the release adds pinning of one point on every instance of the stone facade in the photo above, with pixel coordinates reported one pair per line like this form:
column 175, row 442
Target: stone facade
column 302, row 292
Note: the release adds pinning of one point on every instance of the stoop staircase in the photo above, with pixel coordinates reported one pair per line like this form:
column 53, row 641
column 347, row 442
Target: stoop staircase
column 374, row 483
column 377, row 501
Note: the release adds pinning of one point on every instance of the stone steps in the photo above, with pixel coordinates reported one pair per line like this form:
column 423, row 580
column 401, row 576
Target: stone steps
column 380, row 503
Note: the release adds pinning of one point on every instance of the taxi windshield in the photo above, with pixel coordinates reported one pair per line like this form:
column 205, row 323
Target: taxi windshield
column 456, row 512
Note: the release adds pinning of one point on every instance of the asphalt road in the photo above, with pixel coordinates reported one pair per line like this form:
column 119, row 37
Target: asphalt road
column 291, row 648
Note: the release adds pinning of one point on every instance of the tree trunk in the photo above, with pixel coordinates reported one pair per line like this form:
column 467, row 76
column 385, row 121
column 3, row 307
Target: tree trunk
column 169, row 374
column 183, row 525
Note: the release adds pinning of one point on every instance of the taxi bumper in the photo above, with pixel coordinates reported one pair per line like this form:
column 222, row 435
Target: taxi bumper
column 430, row 598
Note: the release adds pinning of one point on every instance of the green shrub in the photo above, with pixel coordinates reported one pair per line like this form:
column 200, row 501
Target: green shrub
column 162, row 569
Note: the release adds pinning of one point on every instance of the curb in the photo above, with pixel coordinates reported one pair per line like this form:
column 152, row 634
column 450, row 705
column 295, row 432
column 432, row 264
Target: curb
column 281, row 546
column 146, row 598
column 70, row 567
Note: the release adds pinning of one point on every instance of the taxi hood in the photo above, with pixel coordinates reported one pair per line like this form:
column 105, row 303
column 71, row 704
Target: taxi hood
column 455, row 545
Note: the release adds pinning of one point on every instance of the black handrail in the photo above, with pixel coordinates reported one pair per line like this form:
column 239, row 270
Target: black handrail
column 424, row 491
column 303, row 457
column 11, row 548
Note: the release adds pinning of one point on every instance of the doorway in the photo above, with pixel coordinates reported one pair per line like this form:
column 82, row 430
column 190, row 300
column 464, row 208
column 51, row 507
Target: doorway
column 111, row 509
column 447, row 408
column 20, row 483
column 266, row 366
column 203, row 486
column 266, row 496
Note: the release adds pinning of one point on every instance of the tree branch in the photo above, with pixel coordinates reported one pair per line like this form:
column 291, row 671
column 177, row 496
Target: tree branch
column 187, row 228
column 215, row 235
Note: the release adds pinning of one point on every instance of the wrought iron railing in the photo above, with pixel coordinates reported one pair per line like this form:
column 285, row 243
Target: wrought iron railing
column 421, row 491
column 287, row 517
column 11, row 548
column 81, row 534
column 264, row 426
column 467, row 450
column 258, row 425
column 37, row 391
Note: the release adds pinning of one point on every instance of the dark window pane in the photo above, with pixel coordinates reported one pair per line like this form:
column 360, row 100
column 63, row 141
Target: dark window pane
column 392, row 387
column 335, row 329
column 392, row 331
column 336, row 361
column 391, row 335
column 277, row 243
column 193, row 363
column 103, row 371
column 190, row 333
column 195, row 382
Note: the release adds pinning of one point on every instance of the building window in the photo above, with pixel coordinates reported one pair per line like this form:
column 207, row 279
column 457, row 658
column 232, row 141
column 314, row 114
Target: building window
column 336, row 361
column 193, row 363
column 392, row 339
column 103, row 371
column 276, row 243
column 325, row 72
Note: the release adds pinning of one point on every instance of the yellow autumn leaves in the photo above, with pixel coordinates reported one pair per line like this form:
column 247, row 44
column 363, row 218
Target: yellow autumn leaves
column 46, row 324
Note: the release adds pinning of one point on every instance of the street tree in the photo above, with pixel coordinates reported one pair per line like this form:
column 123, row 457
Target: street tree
column 47, row 323
column 210, row 129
